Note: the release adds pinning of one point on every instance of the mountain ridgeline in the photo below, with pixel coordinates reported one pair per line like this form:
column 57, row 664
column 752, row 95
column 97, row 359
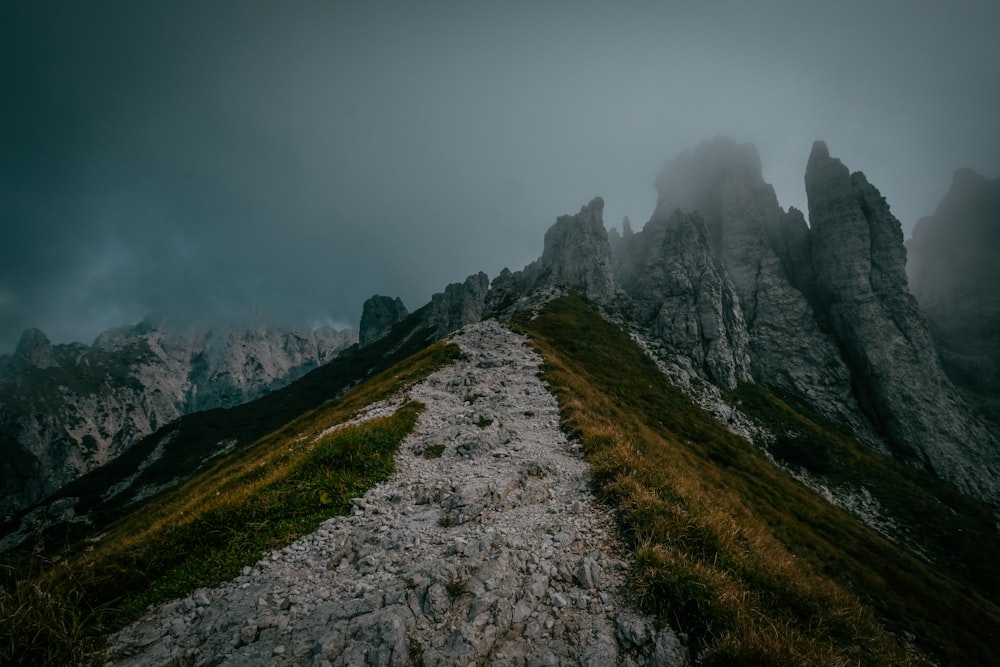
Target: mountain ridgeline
column 68, row 409
column 829, row 496
column 733, row 289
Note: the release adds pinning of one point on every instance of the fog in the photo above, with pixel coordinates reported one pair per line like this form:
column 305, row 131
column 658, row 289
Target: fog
column 281, row 162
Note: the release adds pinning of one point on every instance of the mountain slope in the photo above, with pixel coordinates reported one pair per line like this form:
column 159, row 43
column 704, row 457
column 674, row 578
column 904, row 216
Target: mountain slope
column 67, row 409
column 753, row 565
column 185, row 447
column 257, row 497
column 801, row 517
column 484, row 547
column 741, row 559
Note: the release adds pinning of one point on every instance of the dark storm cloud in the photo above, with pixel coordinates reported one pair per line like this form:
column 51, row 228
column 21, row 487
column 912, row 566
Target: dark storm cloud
column 283, row 161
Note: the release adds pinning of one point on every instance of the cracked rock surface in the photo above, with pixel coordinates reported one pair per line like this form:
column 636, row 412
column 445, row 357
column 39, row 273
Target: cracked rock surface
column 490, row 550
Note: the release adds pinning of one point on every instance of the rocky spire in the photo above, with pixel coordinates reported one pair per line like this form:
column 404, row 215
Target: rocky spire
column 460, row 304
column 378, row 315
column 35, row 348
column 577, row 253
column 685, row 299
column 859, row 261
column 763, row 251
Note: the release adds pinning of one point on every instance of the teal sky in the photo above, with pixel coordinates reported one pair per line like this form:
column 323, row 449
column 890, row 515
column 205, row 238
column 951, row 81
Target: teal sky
column 224, row 161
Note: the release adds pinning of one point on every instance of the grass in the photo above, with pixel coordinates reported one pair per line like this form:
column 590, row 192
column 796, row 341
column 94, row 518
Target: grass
column 433, row 451
column 728, row 548
column 189, row 440
column 206, row 530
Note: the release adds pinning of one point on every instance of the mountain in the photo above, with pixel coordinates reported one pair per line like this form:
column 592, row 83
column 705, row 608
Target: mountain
column 723, row 439
column 67, row 409
column 954, row 274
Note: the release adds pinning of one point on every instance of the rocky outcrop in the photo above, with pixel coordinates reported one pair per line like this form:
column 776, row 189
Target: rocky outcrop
column 683, row 299
column 378, row 315
column 861, row 289
column 485, row 547
column 764, row 252
column 67, row 409
column 459, row 304
column 954, row 274
column 577, row 254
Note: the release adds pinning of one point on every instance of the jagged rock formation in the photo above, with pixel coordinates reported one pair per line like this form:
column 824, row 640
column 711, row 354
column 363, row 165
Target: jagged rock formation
column 491, row 551
column 723, row 277
column 954, row 273
column 763, row 253
column 577, row 253
column 66, row 409
column 859, row 264
column 683, row 298
column 378, row 315
column 459, row 304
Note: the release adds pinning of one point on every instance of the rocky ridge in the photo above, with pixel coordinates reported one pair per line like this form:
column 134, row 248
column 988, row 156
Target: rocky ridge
column 67, row 409
column 485, row 547
column 861, row 288
column 378, row 314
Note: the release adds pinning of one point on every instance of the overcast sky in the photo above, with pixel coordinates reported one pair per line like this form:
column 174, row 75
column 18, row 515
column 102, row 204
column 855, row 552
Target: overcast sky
column 220, row 161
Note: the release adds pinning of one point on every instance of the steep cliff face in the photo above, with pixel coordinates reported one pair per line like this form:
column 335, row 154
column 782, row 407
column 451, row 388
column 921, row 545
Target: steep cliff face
column 723, row 277
column 764, row 252
column 66, row 409
column 577, row 253
column 684, row 299
column 859, row 262
column 954, row 273
column 460, row 304
column 378, row 315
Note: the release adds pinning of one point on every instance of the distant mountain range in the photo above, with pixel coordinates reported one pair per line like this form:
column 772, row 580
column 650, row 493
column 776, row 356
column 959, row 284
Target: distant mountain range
column 67, row 409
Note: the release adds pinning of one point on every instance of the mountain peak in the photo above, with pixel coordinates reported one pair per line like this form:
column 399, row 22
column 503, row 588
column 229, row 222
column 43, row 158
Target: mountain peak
column 36, row 348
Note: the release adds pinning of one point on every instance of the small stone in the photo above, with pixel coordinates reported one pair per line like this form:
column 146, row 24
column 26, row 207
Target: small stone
column 248, row 634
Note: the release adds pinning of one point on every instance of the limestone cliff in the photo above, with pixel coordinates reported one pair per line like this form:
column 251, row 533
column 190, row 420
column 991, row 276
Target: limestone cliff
column 577, row 253
column 859, row 262
column 378, row 315
column 764, row 252
column 460, row 304
column 684, row 299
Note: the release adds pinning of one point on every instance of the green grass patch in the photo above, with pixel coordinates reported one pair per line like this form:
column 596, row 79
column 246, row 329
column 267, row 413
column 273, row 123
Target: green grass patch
column 432, row 451
column 732, row 550
column 205, row 531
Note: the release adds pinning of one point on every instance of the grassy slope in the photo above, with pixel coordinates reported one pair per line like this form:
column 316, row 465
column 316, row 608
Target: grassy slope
column 195, row 436
column 203, row 532
column 753, row 566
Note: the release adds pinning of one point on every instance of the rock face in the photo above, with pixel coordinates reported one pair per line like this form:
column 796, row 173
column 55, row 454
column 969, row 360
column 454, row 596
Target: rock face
column 66, row 409
column 459, row 304
column 859, row 262
column 954, row 274
column 485, row 547
column 721, row 276
column 378, row 315
column 684, row 299
column 577, row 253
column 763, row 253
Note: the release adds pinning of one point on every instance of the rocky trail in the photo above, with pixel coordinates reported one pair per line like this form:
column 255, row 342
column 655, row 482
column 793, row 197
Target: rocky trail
column 484, row 548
